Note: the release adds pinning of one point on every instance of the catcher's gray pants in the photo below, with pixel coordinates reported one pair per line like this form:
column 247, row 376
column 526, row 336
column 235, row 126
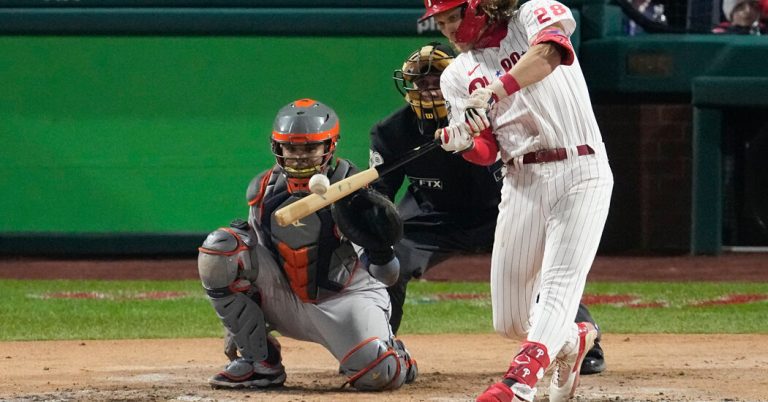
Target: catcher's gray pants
column 339, row 323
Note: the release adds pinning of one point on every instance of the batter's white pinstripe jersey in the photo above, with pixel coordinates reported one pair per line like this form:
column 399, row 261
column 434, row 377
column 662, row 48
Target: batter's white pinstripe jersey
column 551, row 214
column 553, row 113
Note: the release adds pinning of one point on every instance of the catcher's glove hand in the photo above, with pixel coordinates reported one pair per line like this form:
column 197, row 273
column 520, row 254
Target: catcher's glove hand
column 369, row 220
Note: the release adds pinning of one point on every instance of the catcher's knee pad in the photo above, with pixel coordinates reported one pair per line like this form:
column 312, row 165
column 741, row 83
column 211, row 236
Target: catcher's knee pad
column 225, row 260
column 376, row 365
column 226, row 271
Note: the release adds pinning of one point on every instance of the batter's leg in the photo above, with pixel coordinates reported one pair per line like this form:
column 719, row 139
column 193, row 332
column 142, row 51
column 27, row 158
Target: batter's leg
column 517, row 254
column 574, row 227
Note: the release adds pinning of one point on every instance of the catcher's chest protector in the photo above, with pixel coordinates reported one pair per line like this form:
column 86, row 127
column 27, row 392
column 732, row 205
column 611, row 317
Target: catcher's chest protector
column 313, row 258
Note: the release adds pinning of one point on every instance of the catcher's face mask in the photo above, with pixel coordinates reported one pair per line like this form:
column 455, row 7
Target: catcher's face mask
column 304, row 138
column 419, row 82
column 302, row 160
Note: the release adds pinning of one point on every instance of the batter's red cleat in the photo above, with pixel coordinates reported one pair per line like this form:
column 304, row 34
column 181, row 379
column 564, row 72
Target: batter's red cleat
column 498, row 392
column 502, row 392
column 565, row 376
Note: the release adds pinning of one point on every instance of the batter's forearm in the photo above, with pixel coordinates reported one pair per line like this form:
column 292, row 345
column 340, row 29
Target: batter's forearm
column 485, row 150
column 549, row 49
column 534, row 66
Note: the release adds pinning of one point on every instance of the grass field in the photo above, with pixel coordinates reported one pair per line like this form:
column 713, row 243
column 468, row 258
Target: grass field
column 65, row 309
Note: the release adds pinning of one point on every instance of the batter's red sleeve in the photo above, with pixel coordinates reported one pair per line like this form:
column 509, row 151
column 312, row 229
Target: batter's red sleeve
column 485, row 150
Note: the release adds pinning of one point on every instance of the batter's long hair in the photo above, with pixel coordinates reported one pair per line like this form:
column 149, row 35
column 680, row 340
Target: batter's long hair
column 498, row 10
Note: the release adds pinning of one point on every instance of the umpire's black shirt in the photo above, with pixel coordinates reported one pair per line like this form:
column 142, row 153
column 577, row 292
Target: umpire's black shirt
column 444, row 185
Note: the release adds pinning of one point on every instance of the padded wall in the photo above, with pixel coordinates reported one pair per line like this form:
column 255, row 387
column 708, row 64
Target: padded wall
column 163, row 134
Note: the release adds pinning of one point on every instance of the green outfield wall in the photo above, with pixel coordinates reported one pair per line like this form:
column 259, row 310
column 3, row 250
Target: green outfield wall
column 134, row 130
column 163, row 134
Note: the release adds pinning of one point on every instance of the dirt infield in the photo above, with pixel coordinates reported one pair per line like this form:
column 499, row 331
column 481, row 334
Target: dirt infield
column 453, row 367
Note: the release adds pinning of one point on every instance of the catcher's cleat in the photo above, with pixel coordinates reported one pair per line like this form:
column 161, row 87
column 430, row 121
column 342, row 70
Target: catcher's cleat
column 412, row 367
column 242, row 373
column 565, row 376
column 594, row 362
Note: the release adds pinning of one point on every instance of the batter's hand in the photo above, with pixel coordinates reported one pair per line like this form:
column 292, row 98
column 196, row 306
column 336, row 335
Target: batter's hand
column 477, row 120
column 476, row 111
column 456, row 137
column 481, row 98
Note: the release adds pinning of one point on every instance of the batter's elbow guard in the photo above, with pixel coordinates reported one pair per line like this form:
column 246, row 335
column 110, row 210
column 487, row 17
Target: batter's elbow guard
column 563, row 44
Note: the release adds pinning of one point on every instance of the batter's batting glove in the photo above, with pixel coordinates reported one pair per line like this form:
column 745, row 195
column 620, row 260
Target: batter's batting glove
column 481, row 98
column 477, row 120
column 456, row 137
column 476, row 111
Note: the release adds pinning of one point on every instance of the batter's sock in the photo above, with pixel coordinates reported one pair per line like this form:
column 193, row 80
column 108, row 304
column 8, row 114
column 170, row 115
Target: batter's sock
column 528, row 366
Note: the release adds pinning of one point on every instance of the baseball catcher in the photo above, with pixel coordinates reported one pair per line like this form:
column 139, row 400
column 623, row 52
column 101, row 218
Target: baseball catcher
column 308, row 281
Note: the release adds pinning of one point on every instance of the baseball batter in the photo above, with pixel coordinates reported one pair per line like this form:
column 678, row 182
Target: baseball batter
column 307, row 281
column 558, row 183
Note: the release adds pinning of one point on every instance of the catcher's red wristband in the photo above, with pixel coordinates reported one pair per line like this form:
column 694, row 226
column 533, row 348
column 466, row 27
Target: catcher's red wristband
column 510, row 83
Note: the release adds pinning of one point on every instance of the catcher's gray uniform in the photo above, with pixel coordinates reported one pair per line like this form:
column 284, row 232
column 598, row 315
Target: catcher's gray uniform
column 304, row 281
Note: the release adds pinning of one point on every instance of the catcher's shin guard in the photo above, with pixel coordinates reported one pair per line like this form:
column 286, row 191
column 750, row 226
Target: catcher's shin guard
column 376, row 365
column 225, row 267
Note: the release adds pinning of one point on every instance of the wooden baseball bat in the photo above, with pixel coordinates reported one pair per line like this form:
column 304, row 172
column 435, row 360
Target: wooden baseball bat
column 342, row 188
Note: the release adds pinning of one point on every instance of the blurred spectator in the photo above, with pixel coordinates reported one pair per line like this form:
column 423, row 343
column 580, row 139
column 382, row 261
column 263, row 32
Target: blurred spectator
column 742, row 18
column 650, row 10
column 764, row 11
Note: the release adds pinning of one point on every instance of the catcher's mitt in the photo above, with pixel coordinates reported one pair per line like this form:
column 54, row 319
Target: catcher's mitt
column 368, row 219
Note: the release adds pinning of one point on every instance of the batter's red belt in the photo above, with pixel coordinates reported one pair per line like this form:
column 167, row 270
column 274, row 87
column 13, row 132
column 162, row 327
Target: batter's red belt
column 555, row 154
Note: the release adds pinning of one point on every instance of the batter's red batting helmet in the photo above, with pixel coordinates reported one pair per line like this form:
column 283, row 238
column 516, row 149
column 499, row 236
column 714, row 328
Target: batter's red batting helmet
column 472, row 23
column 438, row 6
column 304, row 122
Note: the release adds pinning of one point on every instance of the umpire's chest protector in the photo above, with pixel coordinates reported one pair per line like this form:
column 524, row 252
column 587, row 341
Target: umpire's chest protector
column 316, row 262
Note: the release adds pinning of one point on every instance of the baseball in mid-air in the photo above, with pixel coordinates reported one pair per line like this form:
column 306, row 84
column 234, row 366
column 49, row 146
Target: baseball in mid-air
column 319, row 183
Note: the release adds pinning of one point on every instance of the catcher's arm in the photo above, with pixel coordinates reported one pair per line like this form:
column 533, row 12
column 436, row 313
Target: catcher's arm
column 370, row 220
